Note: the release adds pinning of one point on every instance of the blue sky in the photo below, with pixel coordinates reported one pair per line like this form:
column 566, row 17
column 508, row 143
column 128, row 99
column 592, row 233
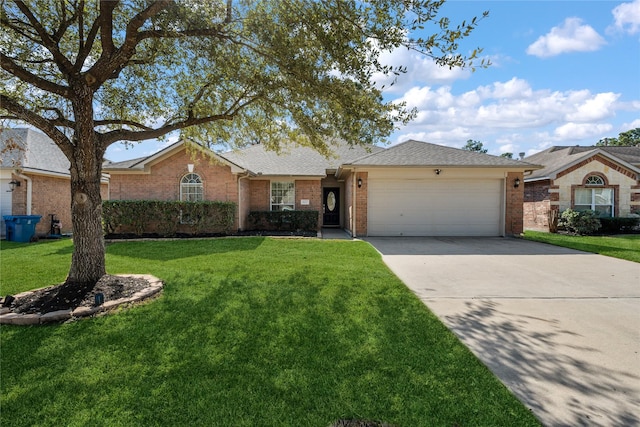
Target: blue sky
column 562, row 73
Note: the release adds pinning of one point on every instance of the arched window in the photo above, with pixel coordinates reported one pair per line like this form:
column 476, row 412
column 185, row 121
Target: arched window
column 191, row 189
column 594, row 180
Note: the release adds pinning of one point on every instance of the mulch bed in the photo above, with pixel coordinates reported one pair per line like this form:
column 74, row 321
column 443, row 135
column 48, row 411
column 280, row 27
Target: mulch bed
column 73, row 295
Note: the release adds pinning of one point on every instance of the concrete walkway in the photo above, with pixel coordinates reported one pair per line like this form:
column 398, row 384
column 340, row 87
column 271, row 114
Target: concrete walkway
column 560, row 328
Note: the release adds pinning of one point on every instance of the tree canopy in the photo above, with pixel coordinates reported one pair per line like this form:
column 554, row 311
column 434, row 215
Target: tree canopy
column 472, row 145
column 90, row 73
column 630, row 138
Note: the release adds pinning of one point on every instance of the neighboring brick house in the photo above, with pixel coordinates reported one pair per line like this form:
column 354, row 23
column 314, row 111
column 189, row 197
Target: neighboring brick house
column 34, row 179
column 603, row 179
column 413, row 188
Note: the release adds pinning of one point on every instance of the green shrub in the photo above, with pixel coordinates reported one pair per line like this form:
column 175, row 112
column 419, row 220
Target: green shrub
column 616, row 225
column 167, row 218
column 283, row 220
column 579, row 222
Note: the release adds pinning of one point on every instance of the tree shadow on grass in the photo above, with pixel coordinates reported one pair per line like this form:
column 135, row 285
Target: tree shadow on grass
column 581, row 392
column 165, row 250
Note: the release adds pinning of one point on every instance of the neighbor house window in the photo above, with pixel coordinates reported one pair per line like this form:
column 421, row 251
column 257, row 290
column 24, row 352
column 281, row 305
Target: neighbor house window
column 283, row 196
column 594, row 196
column 191, row 189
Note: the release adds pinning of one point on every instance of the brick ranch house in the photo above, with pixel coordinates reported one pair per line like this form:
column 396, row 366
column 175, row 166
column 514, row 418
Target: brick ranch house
column 35, row 180
column 603, row 179
column 411, row 189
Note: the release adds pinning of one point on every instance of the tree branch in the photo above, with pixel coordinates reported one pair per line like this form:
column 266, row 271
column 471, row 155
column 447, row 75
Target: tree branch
column 167, row 34
column 64, row 23
column 12, row 68
column 85, row 48
column 105, row 20
column 121, row 122
column 52, row 46
column 128, row 135
column 38, row 121
column 111, row 61
column 109, row 138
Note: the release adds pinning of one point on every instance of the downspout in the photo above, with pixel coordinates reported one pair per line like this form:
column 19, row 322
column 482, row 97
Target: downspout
column 240, row 216
column 29, row 190
column 355, row 198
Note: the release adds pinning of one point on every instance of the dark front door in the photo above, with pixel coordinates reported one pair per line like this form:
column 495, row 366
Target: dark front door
column 331, row 206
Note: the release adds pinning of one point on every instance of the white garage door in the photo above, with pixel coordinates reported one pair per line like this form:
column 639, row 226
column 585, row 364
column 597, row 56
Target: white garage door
column 5, row 203
column 435, row 207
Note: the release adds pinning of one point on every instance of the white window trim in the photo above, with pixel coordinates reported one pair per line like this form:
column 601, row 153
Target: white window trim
column 271, row 204
column 184, row 185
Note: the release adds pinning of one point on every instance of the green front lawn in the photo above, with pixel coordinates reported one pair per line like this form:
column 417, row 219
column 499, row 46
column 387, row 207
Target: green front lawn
column 626, row 246
column 248, row 332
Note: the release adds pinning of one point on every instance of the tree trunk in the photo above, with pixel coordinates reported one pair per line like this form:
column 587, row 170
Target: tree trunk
column 88, row 259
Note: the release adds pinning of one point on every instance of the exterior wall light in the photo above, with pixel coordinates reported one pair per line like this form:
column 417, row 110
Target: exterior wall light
column 437, row 171
column 359, row 182
column 13, row 184
column 516, row 183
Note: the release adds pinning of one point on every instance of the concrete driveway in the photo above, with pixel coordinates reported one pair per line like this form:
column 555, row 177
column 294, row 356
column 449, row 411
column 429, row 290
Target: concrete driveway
column 560, row 328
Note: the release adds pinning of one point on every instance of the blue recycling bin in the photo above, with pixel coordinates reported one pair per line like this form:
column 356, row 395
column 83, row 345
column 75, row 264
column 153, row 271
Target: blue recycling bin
column 21, row 228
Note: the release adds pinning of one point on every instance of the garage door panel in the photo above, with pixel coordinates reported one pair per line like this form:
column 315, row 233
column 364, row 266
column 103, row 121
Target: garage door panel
column 434, row 207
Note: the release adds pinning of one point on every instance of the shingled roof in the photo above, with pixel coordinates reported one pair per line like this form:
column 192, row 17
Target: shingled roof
column 417, row 153
column 32, row 151
column 557, row 158
column 297, row 160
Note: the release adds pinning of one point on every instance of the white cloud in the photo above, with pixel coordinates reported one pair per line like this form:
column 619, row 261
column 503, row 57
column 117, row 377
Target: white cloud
column 595, row 108
column 634, row 124
column 577, row 131
column 570, row 36
column 507, row 148
column 510, row 116
column 626, row 17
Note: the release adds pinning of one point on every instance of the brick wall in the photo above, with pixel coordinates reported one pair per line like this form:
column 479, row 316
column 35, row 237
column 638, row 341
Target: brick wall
column 163, row 183
column 514, row 204
column 536, row 205
column 310, row 190
column 361, row 201
column 260, row 194
column 49, row 195
column 348, row 203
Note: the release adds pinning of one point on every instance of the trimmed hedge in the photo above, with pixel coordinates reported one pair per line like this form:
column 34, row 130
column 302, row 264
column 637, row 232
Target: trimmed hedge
column 167, row 218
column 283, row 220
column 617, row 225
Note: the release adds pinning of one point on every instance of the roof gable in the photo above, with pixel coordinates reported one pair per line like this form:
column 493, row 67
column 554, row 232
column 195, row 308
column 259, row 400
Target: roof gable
column 142, row 164
column 559, row 158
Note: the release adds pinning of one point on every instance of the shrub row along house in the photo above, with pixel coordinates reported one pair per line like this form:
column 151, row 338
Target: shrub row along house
column 601, row 179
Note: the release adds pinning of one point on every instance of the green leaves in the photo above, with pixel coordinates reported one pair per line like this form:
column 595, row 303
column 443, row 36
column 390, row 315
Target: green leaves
column 233, row 70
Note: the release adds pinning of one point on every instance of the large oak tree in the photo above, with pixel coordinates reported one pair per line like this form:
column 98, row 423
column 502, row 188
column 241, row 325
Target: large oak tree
column 91, row 73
